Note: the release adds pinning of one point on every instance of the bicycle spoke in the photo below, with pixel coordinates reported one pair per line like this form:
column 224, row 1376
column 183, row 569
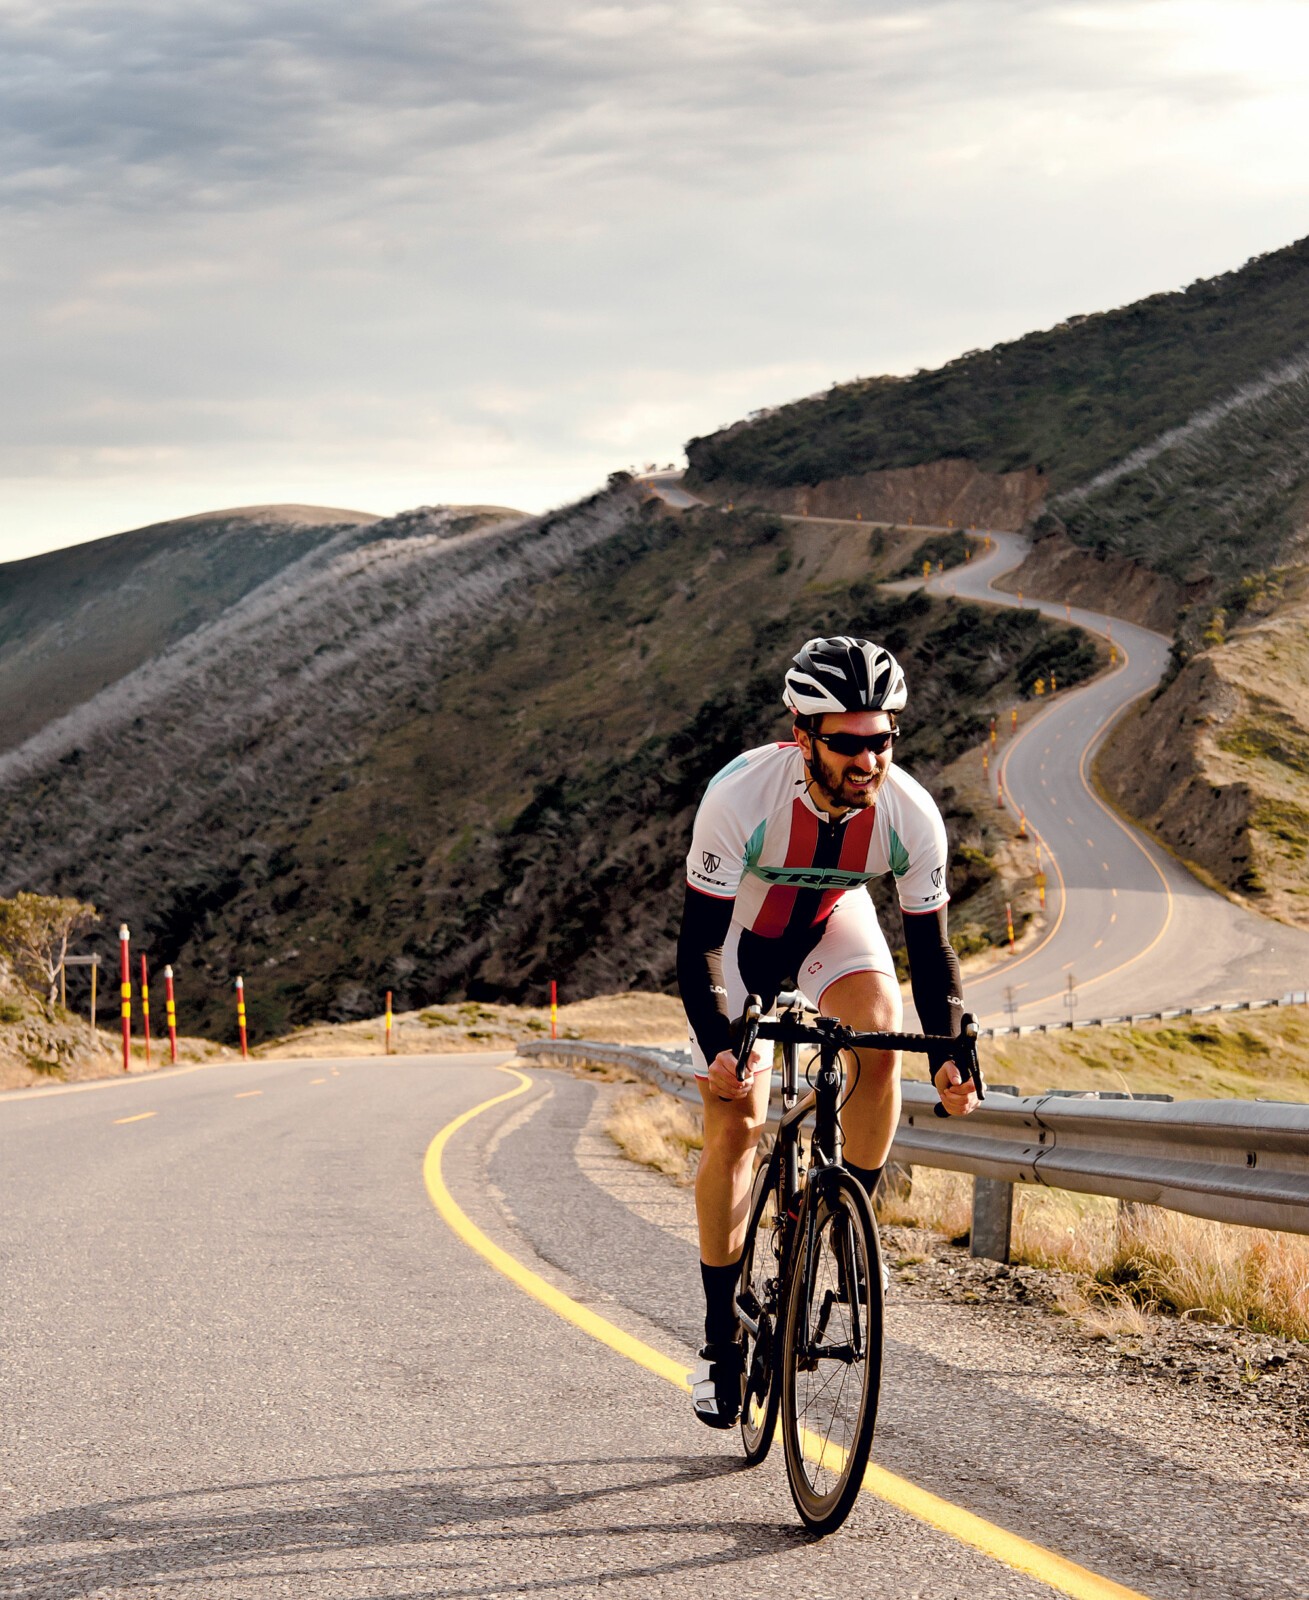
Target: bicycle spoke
column 832, row 1357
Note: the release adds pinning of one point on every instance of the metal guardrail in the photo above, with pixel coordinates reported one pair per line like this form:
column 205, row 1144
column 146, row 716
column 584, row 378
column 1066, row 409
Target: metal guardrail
column 1238, row 1161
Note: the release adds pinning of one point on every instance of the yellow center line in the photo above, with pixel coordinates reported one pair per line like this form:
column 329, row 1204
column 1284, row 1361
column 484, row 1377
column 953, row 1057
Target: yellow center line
column 246, row 1093
column 139, row 1117
column 318, row 1080
column 1000, row 1544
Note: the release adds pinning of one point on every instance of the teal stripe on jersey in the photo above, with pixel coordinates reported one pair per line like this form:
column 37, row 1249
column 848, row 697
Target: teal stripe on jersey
column 899, row 855
column 754, row 847
column 728, row 770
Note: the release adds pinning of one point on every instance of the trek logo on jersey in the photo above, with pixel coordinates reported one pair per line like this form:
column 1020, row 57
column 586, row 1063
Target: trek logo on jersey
column 810, row 877
column 711, row 862
column 938, row 876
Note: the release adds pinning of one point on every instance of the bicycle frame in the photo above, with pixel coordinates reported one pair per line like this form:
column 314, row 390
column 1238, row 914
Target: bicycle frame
column 832, row 1038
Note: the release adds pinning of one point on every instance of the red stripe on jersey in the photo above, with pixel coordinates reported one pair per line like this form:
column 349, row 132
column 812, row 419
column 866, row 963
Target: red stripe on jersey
column 856, row 842
column 801, row 847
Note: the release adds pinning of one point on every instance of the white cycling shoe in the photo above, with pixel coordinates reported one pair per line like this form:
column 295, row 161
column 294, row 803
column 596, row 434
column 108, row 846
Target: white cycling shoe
column 718, row 1384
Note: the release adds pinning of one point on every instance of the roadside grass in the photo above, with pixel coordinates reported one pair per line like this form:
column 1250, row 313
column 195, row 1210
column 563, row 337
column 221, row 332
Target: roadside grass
column 1127, row 1264
column 1130, row 1264
column 657, row 1130
column 1235, row 1055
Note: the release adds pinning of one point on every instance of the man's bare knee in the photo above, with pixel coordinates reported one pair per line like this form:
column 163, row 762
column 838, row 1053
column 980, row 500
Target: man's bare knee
column 732, row 1130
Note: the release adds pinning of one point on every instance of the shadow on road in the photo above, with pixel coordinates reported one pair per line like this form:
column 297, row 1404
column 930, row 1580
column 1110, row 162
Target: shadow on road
column 521, row 1527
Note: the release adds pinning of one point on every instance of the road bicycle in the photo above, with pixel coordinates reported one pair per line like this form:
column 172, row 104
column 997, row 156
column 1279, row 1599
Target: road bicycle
column 813, row 1324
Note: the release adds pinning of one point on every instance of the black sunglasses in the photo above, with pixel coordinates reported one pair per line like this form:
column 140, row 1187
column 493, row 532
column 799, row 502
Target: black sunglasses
column 854, row 744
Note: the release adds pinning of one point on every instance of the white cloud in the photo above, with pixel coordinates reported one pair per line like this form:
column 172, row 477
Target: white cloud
column 415, row 249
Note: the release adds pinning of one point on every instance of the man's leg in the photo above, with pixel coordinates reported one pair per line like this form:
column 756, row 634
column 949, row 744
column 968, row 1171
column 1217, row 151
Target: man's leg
column 869, row 1002
column 722, row 1197
column 732, row 1129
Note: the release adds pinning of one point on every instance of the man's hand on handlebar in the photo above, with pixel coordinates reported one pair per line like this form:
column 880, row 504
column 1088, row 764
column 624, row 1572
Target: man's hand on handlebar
column 958, row 1094
column 722, row 1074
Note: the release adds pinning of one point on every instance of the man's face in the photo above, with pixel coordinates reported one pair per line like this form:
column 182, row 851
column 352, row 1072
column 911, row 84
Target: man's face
column 847, row 781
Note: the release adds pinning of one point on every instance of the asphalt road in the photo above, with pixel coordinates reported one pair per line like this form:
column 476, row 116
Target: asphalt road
column 245, row 1357
column 1126, row 920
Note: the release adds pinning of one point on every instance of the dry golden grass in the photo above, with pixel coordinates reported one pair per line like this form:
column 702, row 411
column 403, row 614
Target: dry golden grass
column 1242, row 1055
column 1147, row 1259
column 459, row 1026
column 1105, row 1312
column 658, row 1131
column 939, row 1202
column 1245, row 1276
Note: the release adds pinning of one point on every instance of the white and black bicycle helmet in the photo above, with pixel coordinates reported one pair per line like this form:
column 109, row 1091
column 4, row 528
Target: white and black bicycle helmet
column 843, row 674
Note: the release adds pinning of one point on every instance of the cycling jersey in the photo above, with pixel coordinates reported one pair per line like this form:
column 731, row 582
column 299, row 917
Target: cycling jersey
column 760, row 839
column 776, row 888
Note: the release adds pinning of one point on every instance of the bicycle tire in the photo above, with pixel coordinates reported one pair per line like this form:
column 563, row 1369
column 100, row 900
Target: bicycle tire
column 759, row 1286
column 831, row 1356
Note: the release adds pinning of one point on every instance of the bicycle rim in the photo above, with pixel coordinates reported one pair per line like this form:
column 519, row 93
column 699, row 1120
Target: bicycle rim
column 832, row 1353
column 758, row 1292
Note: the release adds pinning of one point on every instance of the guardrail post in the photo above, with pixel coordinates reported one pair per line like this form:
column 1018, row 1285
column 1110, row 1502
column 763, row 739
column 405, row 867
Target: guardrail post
column 993, row 1217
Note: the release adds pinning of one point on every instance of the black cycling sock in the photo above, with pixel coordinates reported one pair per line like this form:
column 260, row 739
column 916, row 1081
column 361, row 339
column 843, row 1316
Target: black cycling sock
column 720, row 1323
column 868, row 1176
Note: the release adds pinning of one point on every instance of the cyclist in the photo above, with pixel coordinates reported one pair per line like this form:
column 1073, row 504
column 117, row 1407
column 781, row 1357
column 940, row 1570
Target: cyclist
column 785, row 841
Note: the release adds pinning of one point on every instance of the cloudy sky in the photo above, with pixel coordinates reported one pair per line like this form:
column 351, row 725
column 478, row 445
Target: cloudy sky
column 395, row 252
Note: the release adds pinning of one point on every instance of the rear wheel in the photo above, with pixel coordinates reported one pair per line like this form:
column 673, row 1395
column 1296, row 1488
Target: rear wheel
column 832, row 1350
column 757, row 1296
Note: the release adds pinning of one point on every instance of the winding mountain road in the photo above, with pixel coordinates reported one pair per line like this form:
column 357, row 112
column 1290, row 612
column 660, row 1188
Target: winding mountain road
column 246, row 1356
column 1126, row 921
column 1135, row 930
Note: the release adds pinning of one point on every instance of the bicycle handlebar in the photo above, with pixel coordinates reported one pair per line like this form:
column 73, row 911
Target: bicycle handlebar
column 937, row 1047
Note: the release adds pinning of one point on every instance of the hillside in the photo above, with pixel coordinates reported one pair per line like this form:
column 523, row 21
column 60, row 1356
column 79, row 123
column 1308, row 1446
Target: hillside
column 1159, row 454
column 457, row 763
column 1069, row 402
column 73, row 621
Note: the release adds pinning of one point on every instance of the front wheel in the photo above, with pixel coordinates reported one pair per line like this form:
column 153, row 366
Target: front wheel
column 757, row 1297
column 832, row 1350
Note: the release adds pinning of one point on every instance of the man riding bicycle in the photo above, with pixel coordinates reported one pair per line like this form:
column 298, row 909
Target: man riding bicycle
column 785, row 841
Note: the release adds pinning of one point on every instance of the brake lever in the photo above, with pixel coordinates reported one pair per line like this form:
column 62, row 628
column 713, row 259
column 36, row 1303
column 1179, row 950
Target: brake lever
column 749, row 1025
column 969, row 1066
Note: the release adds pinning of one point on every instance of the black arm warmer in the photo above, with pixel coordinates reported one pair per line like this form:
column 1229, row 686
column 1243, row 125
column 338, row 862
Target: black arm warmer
column 934, row 973
column 705, row 921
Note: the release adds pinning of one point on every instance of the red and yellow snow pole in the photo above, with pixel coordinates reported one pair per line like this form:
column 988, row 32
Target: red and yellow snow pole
column 172, row 1014
column 388, row 1022
column 125, row 989
column 1022, row 824
column 1040, row 875
column 1009, row 924
column 993, row 733
column 999, row 794
column 145, row 1010
column 240, row 1014
column 1013, row 719
column 554, row 1009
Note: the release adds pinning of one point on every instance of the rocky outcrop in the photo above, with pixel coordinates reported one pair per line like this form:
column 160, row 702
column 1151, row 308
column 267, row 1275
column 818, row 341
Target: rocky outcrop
column 953, row 491
column 1156, row 765
column 1217, row 765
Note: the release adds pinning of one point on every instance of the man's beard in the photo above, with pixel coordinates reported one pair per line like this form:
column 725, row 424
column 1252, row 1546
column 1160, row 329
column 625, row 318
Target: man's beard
column 835, row 790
